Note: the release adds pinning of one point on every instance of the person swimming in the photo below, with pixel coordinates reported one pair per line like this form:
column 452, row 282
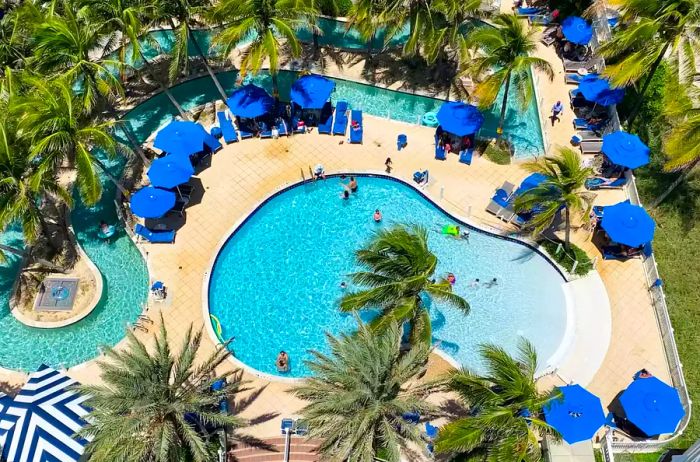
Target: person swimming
column 377, row 216
column 494, row 282
column 345, row 195
column 104, row 227
column 353, row 184
column 451, row 278
column 475, row 283
column 343, row 285
column 282, row 362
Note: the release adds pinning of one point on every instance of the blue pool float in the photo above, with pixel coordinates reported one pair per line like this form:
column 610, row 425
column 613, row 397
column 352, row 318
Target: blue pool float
column 430, row 119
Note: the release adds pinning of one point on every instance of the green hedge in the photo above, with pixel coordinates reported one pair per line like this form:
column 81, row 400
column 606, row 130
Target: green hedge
column 566, row 258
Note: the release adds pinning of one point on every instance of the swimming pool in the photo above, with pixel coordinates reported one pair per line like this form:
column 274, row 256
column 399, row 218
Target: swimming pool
column 276, row 281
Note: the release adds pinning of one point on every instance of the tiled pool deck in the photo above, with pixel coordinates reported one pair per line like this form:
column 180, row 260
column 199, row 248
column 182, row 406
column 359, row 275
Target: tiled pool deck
column 243, row 174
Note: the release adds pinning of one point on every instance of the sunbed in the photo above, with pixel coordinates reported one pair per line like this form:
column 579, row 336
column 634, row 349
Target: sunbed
column 440, row 153
column 340, row 122
column 326, row 120
column 296, row 128
column 581, row 123
column 178, row 208
column 540, row 19
column 356, row 132
column 591, row 147
column 530, row 11
column 282, row 128
column 265, row 131
column 227, row 129
column 465, row 156
column 605, row 183
column 154, row 236
column 211, row 142
column 591, row 65
column 244, row 130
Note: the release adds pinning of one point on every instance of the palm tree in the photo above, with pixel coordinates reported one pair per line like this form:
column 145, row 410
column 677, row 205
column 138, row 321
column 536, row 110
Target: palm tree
column 562, row 189
column 650, row 28
column 186, row 13
column 266, row 21
column 399, row 270
column 370, row 16
column 66, row 45
column 54, row 121
column 359, row 392
column 141, row 411
column 502, row 59
column 504, row 408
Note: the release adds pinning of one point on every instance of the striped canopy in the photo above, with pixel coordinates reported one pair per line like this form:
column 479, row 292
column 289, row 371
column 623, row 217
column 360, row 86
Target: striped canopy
column 40, row 423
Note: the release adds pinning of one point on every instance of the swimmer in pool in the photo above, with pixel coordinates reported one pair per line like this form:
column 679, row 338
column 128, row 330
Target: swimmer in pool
column 282, row 362
column 104, row 227
column 343, row 285
column 494, row 282
column 475, row 283
column 451, row 278
column 353, row 184
column 345, row 195
column 465, row 235
column 377, row 216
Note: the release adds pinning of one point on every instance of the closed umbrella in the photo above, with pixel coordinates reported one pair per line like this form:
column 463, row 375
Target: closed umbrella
column 577, row 415
column 181, row 136
column 311, row 91
column 150, row 202
column 652, row 406
column 250, row 101
column 628, row 224
column 577, row 30
column 459, row 118
column 625, row 149
column 170, row 171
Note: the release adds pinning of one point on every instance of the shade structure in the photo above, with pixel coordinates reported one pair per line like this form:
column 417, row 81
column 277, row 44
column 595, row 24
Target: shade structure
column 577, row 30
column 597, row 89
column 531, row 182
column 250, row 101
column 625, row 149
column 577, row 416
column 170, row 171
column 150, row 202
column 311, row 91
column 40, row 423
column 181, row 136
column 459, row 118
column 628, row 224
column 652, row 406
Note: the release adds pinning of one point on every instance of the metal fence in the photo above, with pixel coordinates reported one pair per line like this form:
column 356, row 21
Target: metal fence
column 602, row 33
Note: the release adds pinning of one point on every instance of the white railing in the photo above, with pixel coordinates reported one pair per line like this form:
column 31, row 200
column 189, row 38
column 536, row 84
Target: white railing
column 602, row 33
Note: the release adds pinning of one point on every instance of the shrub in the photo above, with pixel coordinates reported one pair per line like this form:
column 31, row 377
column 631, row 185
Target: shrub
column 566, row 258
column 497, row 155
column 335, row 7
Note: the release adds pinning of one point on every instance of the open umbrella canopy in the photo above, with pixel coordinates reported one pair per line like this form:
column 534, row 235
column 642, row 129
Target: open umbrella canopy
column 311, row 91
column 181, row 136
column 577, row 415
column 170, row 171
column 625, row 149
column 250, row 101
column 628, row 224
column 531, row 182
column 597, row 89
column 577, row 30
column 652, row 406
column 150, row 202
column 459, row 118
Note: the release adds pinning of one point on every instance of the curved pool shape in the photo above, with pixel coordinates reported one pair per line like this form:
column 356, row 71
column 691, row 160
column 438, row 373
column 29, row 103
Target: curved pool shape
column 275, row 283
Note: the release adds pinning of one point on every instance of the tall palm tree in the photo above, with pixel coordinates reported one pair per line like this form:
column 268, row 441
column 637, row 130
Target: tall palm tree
column 562, row 189
column 54, row 121
column 187, row 13
column 67, row 45
column 649, row 30
column 370, row 16
column 267, row 21
column 141, row 411
column 504, row 409
column 500, row 57
column 359, row 392
column 400, row 269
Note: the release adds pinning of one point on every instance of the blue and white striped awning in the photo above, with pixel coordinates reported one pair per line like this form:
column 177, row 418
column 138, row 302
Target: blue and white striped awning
column 40, row 423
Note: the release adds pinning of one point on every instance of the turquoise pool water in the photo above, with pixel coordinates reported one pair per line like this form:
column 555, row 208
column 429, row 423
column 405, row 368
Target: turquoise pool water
column 276, row 282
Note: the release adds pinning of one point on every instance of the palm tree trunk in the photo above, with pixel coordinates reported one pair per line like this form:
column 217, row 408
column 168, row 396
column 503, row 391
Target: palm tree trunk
column 134, row 143
column 206, row 63
column 316, row 47
column 275, row 84
column 567, row 229
column 165, row 90
column 12, row 250
column 640, row 99
column 684, row 174
column 116, row 182
column 369, row 46
column 504, row 104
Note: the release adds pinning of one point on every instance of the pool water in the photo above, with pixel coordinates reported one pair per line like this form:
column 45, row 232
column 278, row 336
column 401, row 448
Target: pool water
column 276, row 282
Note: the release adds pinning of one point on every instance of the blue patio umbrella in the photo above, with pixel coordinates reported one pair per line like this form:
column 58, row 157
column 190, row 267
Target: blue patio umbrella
column 181, row 136
column 577, row 30
column 628, row 224
column 625, row 149
column 150, row 202
column 459, row 118
column 577, row 415
column 597, row 89
column 652, row 406
column 531, row 182
column 311, row 91
column 170, row 171
column 250, row 101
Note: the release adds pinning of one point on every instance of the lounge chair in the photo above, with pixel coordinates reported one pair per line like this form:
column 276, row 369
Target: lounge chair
column 591, row 65
column 598, row 211
column 495, row 208
column 530, row 11
column 581, row 123
column 356, row 133
column 591, row 147
column 596, row 183
column 179, row 207
column 340, row 122
column 287, row 425
column 402, row 141
column 465, row 156
column 282, row 128
column 227, row 129
column 326, row 120
column 296, row 128
column 573, row 78
column 155, row 236
column 440, row 153
column 589, row 135
column 245, row 131
column 540, row 19
column 212, row 143
column 265, row 131
column 411, row 417
column 301, row 428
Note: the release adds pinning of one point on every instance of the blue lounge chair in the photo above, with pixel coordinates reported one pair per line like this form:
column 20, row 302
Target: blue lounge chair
column 596, row 183
column 539, row 19
column 326, row 120
column 227, row 129
column 356, row 133
column 295, row 126
column 287, row 425
column 265, row 131
column 440, row 152
column 598, row 211
column 165, row 236
column 402, row 141
column 411, row 417
column 340, row 122
column 529, row 11
column 465, row 156
column 282, row 128
column 582, row 124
